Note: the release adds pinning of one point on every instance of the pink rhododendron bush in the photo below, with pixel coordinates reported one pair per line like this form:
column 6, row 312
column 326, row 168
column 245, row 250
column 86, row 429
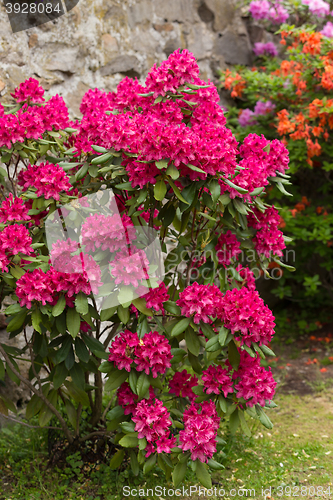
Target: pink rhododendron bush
column 156, row 359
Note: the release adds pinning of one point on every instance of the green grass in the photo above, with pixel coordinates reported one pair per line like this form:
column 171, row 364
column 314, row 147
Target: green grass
column 297, row 452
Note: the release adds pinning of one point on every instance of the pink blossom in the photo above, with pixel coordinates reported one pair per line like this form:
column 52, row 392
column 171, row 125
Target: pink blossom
column 328, row 30
column 246, row 118
column 126, row 398
column 156, row 296
column 14, row 239
column 318, row 7
column 107, row 232
column 253, row 382
column 259, row 9
column 153, row 353
column 227, row 248
column 200, row 301
column 181, row 385
column 152, row 421
column 181, row 67
column 13, row 209
column 262, row 108
column 122, row 350
column 29, row 90
column 34, row 285
column 129, row 269
column 217, row 380
column 278, row 14
column 268, row 48
column 48, row 179
column 199, row 435
column 247, row 275
column 245, row 314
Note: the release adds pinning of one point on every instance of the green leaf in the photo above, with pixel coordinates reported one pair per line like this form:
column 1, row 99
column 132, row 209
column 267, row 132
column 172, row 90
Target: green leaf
column 81, row 303
column 99, row 149
column 149, row 464
column 60, row 375
column 36, row 319
column 161, row 164
column 223, row 403
column 123, row 314
column 82, row 172
column 233, row 355
column 263, row 417
column 215, row 189
column 73, row 321
column 179, row 473
column 234, row 421
column 101, row 159
column 213, row 344
column 177, row 192
column 180, row 327
column 160, row 190
column 117, row 459
column 142, row 385
column 195, row 169
column 243, row 423
column 125, row 296
column 140, row 304
column 81, row 350
column 128, row 427
column 115, row 379
column 134, row 463
column 33, row 407
column 258, row 350
column 192, row 341
column 282, row 189
column 223, row 333
column 267, row 350
column 129, row 441
column 71, row 413
column 77, row 375
column 13, row 309
column 240, row 207
column 59, row 306
column 70, row 359
column 202, row 474
column 45, row 413
column 107, row 313
column 17, row 321
column 177, row 355
column 2, row 370
column 93, row 344
column 173, row 172
column 234, row 186
column 77, row 394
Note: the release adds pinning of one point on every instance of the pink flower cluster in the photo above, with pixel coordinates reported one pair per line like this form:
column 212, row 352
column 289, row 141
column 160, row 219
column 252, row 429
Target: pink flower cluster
column 201, row 426
column 80, row 274
column 245, row 314
column 257, row 164
column 181, row 385
column 328, row 30
column 248, row 277
column 200, row 301
column 129, row 269
column 253, row 382
column 107, row 232
column 14, row 239
column 48, row 179
column 32, row 120
column 126, row 398
column 318, row 7
column 29, row 90
column 156, row 296
column 13, row 209
column 152, row 352
column 181, row 67
column 152, row 421
column 268, row 239
column 247, row 117
column 227, row 248
column 217, row 380
column 262, row 9
column 263, row 49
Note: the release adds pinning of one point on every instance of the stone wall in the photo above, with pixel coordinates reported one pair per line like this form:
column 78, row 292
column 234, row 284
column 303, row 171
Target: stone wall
column 100, row 41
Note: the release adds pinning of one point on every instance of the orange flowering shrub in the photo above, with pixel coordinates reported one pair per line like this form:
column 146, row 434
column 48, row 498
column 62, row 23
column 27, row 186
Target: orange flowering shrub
column 291, row 99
